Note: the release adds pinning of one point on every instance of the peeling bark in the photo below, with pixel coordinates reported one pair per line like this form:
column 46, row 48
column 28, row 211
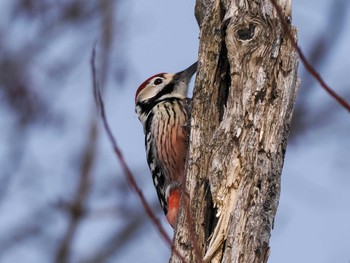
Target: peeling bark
column 243, row 100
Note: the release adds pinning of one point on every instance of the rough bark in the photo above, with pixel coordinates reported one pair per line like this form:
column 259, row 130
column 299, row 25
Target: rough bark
column 243, row 100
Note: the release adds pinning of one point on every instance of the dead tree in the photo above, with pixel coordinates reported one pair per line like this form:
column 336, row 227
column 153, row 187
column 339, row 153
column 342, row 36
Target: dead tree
column 244, row 95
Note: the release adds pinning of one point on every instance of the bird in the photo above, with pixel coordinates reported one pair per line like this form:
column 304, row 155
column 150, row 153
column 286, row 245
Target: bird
column 162, row 107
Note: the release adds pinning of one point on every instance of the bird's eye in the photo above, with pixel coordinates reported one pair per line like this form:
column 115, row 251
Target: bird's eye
column 158, row 81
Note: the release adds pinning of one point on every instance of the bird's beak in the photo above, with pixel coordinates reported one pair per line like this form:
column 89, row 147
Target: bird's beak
column 187, row 74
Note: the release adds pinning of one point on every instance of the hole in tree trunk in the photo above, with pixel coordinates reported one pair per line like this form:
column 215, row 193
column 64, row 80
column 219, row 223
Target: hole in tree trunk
column 246, row 33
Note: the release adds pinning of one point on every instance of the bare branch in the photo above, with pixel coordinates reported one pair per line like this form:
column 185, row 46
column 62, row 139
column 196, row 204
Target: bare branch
column 306, row 63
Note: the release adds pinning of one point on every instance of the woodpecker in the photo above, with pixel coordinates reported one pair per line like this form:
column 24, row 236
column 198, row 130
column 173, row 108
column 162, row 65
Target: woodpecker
column 162, row 107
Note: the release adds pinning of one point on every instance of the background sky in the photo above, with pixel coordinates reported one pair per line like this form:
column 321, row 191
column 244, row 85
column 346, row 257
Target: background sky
column 47, row 114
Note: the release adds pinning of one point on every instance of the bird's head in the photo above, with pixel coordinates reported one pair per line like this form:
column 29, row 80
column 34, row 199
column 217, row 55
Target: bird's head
column 165, row 85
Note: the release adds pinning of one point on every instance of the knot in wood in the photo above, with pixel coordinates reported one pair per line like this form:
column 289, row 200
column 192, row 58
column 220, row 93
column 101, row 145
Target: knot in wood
column 246, row 33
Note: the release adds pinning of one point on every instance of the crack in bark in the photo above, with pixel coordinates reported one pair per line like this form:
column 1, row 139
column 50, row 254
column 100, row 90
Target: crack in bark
column 211, row 218
column 225, row 81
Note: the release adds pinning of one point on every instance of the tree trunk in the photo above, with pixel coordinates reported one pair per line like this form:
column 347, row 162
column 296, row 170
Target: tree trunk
column 242, row 106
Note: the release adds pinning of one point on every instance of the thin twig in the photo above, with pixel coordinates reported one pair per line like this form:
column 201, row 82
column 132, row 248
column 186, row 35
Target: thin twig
column 128, row 174
column 306, row 63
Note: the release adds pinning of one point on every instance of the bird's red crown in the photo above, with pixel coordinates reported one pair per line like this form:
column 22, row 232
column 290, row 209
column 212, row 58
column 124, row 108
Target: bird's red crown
column 144, row 84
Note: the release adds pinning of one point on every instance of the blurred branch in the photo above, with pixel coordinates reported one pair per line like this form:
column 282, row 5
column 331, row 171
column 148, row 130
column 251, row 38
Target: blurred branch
column 107, row 29
column 14, row 156
column 17, row 89
column 28, row 88
column 306, row 62
column 117, row 241
column 322, row 47
column 21, row 234
column 77, row 208
column 46, row 22
column 57, row 12
column 28, row 228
